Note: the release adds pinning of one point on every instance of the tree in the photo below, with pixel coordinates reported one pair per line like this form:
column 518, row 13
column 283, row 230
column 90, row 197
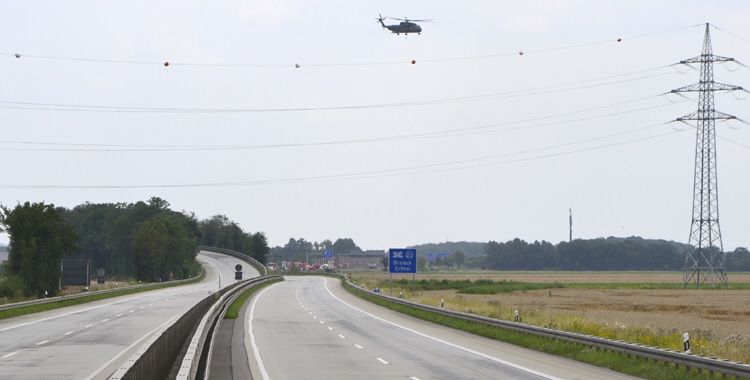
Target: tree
column 344, row 246
column 459, row 258
column 39, row 239
column 162, row 246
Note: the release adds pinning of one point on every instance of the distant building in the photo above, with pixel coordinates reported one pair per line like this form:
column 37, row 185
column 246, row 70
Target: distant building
column 372, row 259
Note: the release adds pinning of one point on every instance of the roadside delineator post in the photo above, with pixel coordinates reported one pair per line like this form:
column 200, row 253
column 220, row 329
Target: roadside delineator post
column 442, row 303
column 686, row 343
column 515, row 316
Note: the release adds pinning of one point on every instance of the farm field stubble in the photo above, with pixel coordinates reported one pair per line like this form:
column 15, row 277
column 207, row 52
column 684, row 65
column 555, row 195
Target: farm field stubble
column 718, row 319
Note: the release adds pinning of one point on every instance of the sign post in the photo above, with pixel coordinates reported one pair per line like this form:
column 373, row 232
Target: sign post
column 402, row 260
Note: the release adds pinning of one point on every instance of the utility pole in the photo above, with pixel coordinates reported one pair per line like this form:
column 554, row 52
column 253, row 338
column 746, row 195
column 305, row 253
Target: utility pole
column 571, row 225
column 705, row 258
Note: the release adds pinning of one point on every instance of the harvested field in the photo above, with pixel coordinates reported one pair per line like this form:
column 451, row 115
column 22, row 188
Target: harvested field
column 561, row 277
column 718, row 317
column 723, row 312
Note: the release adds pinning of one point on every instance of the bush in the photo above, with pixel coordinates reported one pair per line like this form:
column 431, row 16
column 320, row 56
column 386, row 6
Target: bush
column 11, row 287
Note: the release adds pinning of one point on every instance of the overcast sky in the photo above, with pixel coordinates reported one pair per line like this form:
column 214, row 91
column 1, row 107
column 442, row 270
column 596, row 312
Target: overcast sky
column 474, row 141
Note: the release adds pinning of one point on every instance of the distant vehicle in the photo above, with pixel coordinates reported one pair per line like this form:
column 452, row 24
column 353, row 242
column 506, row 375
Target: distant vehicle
column 406, row 26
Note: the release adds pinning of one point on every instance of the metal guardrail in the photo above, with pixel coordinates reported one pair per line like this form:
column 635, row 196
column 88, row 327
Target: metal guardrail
column 157, row 357
column 255, row 263
column 87, row 294
column 197, row 360
column 647, row 352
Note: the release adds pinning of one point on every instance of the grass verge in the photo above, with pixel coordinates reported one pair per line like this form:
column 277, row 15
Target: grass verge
column 611, row 360
column 94, row 297
column 234, row 309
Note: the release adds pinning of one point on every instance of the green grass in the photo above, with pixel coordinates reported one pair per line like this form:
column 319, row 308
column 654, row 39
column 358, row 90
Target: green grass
column 94, row 297
column 614, row 361
column 234, row 309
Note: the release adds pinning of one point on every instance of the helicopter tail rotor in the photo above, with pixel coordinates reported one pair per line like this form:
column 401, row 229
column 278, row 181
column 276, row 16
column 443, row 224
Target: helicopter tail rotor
column 380, row 19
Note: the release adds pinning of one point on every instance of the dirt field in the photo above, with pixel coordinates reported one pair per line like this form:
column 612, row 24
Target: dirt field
column 724, row 313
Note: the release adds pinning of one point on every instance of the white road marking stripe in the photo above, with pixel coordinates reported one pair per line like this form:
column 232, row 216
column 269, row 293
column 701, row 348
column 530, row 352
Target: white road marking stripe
column 358, row 346
column 341, row 336
column 314, row 317
column 413, row 378
column 105, row 365
column 494, row 359
column 105, row 320
column 87, row 326
column 330, row 328
column 66, row 314
column 9, row 355
column 69, row 332
column 254, row 345
column 131, row 311
column 118, row 315
column 382, row 361
column 42, row 342
column 322, row 322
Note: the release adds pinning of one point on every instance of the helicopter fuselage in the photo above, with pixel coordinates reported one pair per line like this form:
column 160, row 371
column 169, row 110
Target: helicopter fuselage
column 404, row 27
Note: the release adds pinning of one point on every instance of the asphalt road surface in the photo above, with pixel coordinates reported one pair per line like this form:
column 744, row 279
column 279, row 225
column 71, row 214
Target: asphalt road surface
column 92, row 340
column 309, row 327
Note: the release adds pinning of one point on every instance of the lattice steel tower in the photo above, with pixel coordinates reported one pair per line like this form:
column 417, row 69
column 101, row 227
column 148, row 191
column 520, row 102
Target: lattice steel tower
column 705, row 259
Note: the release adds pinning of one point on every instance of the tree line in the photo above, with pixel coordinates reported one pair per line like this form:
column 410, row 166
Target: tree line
column 616, row 254
column 296, row 249
column 144, row 240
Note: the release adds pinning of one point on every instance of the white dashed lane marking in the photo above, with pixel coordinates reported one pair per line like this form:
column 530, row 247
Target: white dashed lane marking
column 382, row 361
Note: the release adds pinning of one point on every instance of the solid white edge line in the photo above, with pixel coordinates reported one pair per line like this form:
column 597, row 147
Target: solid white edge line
column 465, row 349
column 105, row 365
column 256, row 352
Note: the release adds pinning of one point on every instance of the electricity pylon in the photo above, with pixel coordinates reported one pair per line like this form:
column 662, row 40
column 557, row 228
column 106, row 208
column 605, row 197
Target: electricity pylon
column 705, row 259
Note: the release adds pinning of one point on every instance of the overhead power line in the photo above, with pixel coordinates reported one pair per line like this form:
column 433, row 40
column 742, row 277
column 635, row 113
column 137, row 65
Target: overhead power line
column 491, row 128
column 298, row 65
column 36, row 106
column 421, row 169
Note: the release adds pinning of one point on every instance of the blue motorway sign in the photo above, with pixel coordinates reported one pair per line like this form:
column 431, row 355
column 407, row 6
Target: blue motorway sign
column 327, row 253
column 402, row 260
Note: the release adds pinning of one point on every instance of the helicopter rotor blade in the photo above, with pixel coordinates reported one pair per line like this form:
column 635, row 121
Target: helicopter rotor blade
column 408, row 19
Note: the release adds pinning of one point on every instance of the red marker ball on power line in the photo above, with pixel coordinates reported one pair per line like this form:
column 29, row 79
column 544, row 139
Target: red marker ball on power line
column 619, row 40
column 166, row 63
column 18, row 55
column 413, row 61
column 520, row 53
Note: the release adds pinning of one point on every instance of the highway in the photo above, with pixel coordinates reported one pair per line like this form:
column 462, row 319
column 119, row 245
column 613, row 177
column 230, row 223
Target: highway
column 92, row 340
column 309, row 327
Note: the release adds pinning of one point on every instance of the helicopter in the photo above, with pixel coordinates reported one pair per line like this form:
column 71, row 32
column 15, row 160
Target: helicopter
column 406, row 26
